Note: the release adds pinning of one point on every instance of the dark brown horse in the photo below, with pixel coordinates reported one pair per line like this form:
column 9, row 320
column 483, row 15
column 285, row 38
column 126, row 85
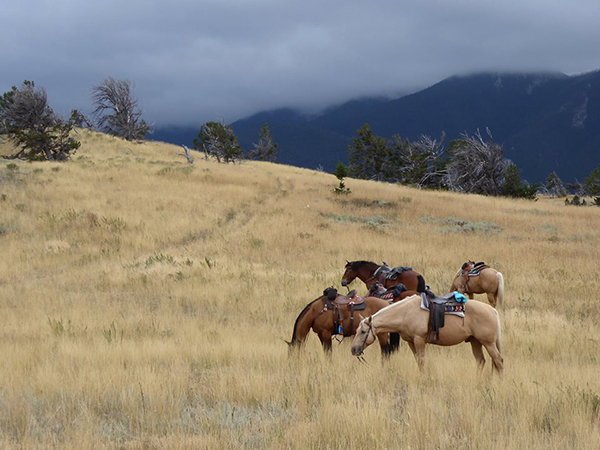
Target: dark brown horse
column 371, row 273
column 327, row 318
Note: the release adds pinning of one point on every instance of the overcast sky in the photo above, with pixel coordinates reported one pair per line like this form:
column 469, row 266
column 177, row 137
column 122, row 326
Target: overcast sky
column 197, row 60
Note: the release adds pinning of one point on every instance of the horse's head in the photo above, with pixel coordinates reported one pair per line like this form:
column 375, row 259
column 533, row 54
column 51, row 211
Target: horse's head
column 365, row 336
column 349, row 274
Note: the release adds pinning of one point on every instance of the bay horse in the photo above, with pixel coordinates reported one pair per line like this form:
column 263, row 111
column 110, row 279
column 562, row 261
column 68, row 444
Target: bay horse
column 321, row 319
column 487, row 281
column 480, row 327
column 370, row 273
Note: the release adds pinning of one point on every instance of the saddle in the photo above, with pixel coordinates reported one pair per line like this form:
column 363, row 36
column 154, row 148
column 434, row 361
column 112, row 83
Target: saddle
column 377, row 290
column 439, row 306
column 342, row 306
column 386, row 273
column 473, row 269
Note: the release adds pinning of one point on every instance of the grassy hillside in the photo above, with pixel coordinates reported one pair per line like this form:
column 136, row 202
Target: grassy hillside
column 144, row 303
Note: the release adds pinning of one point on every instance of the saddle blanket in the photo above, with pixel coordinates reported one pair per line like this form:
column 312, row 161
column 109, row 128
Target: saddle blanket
column 455, row 310
column 475, row 271
column 389, row 296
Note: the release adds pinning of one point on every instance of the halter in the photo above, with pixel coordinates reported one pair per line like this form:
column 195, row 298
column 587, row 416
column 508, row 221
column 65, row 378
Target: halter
column 370, row 330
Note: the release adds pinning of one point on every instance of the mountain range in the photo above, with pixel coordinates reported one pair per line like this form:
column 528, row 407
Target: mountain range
column 545, row 121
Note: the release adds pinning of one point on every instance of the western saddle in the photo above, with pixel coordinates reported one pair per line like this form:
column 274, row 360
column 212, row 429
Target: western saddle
column 343, row 306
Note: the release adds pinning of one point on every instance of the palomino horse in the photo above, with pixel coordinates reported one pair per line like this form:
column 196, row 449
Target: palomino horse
column 480, row 279
column 321, row 315
column 480, row 327
column 370, row 273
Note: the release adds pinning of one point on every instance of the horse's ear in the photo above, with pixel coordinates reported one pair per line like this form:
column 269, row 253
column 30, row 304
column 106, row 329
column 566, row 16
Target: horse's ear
column 361, row 316
column 370, row 320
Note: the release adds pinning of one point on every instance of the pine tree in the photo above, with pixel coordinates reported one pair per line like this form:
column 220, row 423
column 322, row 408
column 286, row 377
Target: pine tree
column 341, row 172
column 369, row 155
column 592, row 182
column 28, row 121
column 219, row 141
column 266, row 148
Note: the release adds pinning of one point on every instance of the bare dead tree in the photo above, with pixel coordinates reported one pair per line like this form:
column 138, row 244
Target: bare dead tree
column 476, row 165
column 81, row 120
column 117, row 111
column 187, row 154
column 418, row 163
column 554, row 186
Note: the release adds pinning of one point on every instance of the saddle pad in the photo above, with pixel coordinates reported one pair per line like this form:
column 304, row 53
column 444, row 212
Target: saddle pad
column 477, row 269
column 457, row 310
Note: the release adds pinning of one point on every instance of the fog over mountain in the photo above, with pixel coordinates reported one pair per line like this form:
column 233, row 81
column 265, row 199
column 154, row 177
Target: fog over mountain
column 197, row 61
column 546, row 121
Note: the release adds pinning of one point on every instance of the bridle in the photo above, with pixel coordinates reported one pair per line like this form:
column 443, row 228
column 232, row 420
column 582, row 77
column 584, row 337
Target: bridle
column 370, row 330
column 352, row 272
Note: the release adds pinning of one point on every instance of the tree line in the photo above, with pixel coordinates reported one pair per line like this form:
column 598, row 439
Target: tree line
column 39, row 133
column 471, row 164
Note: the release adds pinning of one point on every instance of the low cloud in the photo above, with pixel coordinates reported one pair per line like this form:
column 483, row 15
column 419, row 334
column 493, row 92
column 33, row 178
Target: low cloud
column 197, row 61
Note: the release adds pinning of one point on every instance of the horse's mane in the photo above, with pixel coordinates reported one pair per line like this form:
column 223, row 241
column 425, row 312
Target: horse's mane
column 306, row 308
column 355, row 265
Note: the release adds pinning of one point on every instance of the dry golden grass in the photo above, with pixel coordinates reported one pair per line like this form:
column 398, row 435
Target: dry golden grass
column 145, row 303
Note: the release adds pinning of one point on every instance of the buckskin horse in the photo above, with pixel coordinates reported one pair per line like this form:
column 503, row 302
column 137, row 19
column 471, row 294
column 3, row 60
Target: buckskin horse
column 370, row 273
column 332, row 313
column 479, row 278
column 480, row 327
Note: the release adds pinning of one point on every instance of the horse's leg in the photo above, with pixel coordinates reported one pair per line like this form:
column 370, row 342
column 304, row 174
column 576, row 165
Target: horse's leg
column 496, row 357
column 491, row 298
column 411, row 345
column 478, row 353
column 384, row 343
column 325, row 338
column 419, row 351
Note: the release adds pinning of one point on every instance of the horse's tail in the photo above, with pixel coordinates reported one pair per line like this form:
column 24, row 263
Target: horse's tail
column 394, row 342
column 299, row 340
column 421, row 283
column 500, row 290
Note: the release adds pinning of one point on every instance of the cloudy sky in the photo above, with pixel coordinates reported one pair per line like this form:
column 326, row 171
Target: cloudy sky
column 198, row 60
